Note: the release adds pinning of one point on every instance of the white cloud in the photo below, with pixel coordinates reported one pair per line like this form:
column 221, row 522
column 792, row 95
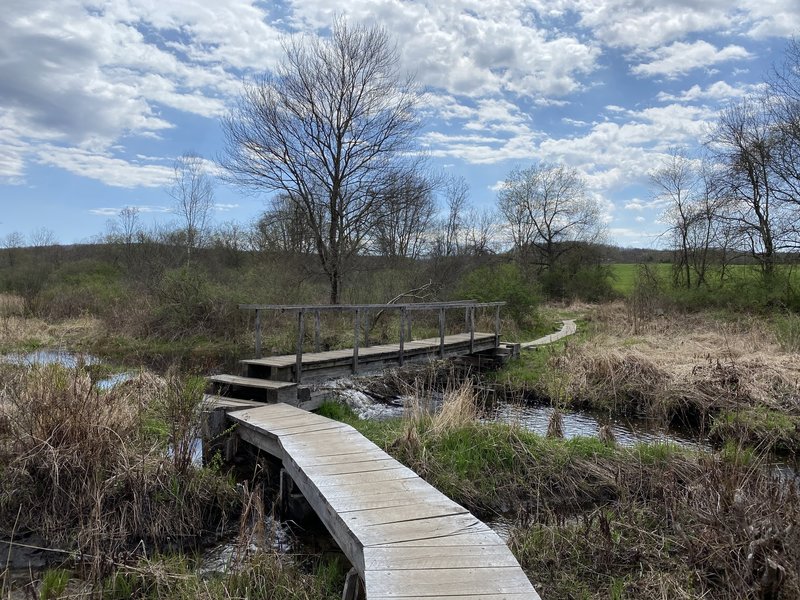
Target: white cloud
column 644, row 24
column 719, row 91
column 107, row 211
column 773, row 18
column 471, row 48
column 679, row 58
column 112, row 171
column 635, row 204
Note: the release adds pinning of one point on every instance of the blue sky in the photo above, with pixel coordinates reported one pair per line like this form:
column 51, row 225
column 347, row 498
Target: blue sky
column 98, row 98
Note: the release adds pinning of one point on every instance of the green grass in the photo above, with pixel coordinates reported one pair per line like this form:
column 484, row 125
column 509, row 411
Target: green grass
column 527, row 372
column 761, row 427
column 743, row 283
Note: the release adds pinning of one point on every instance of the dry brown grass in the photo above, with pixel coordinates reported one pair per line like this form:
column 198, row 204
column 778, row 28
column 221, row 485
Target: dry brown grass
column 679, row 364
column 89, row 471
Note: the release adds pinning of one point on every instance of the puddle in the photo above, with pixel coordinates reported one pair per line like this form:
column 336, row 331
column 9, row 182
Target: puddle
column 70, row 360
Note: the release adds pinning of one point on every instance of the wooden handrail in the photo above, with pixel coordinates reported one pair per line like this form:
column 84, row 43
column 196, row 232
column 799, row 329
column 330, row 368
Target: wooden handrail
column 469, row 307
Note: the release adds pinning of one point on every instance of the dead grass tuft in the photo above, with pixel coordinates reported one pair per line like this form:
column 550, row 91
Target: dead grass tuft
column 680, row 368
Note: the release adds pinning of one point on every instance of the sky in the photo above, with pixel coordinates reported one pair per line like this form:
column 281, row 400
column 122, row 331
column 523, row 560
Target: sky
column 98, row 98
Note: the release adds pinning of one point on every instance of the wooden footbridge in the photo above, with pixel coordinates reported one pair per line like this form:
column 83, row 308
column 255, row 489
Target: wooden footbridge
column 291, row 378
column 404, row 538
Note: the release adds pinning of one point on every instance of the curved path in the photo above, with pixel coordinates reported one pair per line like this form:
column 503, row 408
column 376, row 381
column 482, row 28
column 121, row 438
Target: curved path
column 403, row 536
column 567, row 328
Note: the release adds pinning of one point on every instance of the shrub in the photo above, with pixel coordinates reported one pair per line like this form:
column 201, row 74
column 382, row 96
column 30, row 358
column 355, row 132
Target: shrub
column 506, row 283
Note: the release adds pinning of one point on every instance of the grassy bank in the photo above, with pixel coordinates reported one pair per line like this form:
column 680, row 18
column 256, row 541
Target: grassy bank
column 736, row 376
column 593, row 520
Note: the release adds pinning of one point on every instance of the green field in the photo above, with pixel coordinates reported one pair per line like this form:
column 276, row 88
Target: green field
column 738, row 277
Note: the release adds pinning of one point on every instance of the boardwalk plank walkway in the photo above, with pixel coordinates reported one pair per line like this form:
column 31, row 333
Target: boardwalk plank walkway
column 404, row 537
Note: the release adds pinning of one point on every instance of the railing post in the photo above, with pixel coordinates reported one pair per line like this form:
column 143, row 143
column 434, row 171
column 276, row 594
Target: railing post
column 298, row 366
column 497, row 326
column 472, row 329
column 441, row 333
column 258, row 333
column 402, row 333
column 356, row 335
column 316, row 330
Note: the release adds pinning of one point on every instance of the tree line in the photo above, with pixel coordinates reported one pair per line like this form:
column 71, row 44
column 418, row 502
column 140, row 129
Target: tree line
column 741, row 198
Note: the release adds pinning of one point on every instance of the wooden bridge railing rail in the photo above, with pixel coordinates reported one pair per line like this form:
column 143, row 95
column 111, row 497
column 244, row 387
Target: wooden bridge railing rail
column 469, row 307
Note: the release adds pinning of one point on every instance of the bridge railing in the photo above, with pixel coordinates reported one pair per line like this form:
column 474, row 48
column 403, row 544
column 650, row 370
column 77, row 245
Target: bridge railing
column 365, row 310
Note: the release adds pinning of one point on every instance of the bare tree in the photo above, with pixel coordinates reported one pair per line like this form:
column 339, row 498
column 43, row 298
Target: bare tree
column 783, row 103
column 42, row 237
column 326, row 129
column 695, row 213
column 457, row 200
column 128, row 225
column 193, row 193
column 550, row 210
column 12, row 242
column 480, row 231
column 405, row 216
column 743, row 142
column 283, row 228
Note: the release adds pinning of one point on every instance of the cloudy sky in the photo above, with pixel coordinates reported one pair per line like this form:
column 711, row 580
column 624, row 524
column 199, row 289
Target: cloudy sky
column 97, row 99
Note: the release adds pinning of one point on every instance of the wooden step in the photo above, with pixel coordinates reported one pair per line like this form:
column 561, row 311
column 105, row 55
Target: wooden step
column 252, row 388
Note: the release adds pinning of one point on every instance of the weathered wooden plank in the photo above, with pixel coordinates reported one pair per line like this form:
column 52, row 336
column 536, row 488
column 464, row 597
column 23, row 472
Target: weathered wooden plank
column 308, row 428
column 462, row 539
column 401, row 514
column 387, row 488
column 394, row 474
column 424, row 529
column 253, row 382
column 349, row 457
column 448, row 582
column 404, row 537
column 363, row 466
column 459, row 557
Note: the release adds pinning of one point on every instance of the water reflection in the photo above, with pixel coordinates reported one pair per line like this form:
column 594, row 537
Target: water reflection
column 574, row 424
column 69, row 360
column 533, row 418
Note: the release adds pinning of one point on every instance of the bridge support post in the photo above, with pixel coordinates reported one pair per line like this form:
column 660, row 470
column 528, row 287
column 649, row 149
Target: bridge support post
column 298, row 365
column 441, row 333
column 472, row 330
column 496, row 326
column 258, row 333
column 356, row 336
column 402, row 334
column 316, row 330
column 353, row 590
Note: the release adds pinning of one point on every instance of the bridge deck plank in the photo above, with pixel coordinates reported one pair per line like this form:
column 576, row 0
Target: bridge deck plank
column 405, row 538
column 369, row 353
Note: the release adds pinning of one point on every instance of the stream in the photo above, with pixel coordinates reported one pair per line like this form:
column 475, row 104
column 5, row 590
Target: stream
column 532, row 417
column 287, row 539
